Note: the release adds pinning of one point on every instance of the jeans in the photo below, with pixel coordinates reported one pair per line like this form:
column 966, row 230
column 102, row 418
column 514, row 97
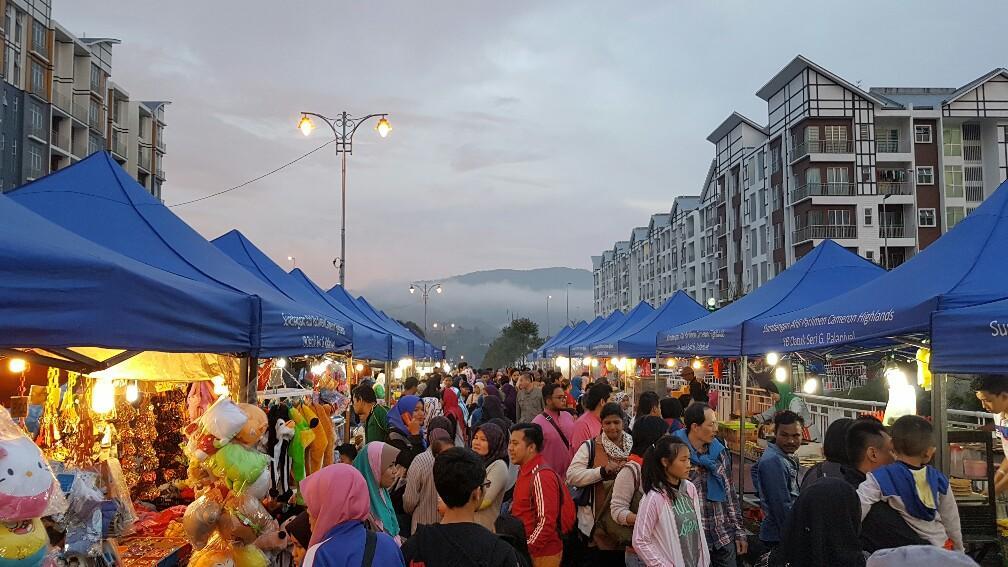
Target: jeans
column 632, row 560
column 724, row 557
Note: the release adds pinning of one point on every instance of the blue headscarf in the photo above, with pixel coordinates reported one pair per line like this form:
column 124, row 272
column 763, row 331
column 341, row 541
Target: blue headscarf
column 576, row 387
column 717, row 485
column 406, row 404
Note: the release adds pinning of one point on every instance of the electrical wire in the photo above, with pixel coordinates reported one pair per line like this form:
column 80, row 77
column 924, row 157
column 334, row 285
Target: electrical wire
column 251, row 181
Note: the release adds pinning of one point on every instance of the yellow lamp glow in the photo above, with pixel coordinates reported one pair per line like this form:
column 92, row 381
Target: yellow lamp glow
column 810, row 386
column 103, row 396
column 305, row 124
column 895, row 377
column 772, row 358
column 220, row 388
column 132, row 392
column 697, row 365
column 397, row 373
column 780, row 374
column 359, row 367
column 384, row 128
column 594, row 363
column 281, row 363
column 670, row 363
column 17, row 365
column 586, row 361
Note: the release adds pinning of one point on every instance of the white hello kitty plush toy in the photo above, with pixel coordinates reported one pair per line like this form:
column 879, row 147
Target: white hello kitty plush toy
column 26, row 482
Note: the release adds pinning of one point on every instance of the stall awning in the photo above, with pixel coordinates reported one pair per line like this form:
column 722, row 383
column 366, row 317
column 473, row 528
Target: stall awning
column 60, row 290
column 828, row 270
column 560, row 348
column 971, row 340
column 167, row 367
column 402, row 344
column 964, row 267
column 579, row 348
column 638, row 340
column 368, row 341
column 560, row 335
column 632, row 321
column 96, row 199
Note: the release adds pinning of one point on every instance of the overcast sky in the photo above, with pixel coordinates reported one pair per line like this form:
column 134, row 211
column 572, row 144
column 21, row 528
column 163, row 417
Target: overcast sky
column 525, row 134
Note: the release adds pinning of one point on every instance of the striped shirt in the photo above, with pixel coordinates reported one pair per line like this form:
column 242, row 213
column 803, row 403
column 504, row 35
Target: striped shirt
column 421, row 497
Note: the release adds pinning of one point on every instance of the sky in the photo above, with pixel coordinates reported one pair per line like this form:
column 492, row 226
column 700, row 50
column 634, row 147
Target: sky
column 525, row 133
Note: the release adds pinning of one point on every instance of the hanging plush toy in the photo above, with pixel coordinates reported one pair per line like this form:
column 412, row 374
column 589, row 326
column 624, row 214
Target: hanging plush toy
column 26, row 483
column 200, row 520
column 224, row 419
column 316, row 451
column 278, row 440
column 303, row 437
column 23, row 544
column 326, row 425
column 255, row 425
column 237, row 466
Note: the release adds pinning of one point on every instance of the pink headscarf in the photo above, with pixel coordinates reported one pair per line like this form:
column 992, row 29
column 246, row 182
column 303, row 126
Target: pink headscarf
column 335, row 494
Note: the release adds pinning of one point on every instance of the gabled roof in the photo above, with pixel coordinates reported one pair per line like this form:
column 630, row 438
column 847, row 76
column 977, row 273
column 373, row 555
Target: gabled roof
column 596, row 262
column 659, row 219
column 729, row 124
column 975, row 83
column 621, row 246
column 639, row 233
column 607, row 256
column 797, row 65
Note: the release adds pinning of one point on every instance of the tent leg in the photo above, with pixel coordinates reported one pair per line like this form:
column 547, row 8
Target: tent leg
column 939, row 420
column 744, row 380
column 249, row 376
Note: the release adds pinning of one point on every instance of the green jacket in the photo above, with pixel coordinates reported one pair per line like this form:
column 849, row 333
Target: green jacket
column 377, row 425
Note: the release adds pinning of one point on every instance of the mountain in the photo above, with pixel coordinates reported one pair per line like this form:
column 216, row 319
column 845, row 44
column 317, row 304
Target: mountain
column 481, row 303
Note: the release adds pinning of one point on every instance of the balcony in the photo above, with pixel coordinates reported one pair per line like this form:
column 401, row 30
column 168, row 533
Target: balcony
column 119, row 145
column 61, row 142
column 892, row 147
column 80, row 112
column 778, row 242
column 722, row 263
column 822, row 231
column 95, row 122
column 144, row 160
column 894, row 231
column 895, row 188
column 37, row 131
column 63, row 101
column 833, row 189
column 804, row 149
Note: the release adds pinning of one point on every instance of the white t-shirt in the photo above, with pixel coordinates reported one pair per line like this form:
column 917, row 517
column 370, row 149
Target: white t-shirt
column 1001, row 431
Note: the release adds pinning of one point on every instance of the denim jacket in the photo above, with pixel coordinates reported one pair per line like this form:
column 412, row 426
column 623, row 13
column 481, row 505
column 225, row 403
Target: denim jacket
column 775, row 477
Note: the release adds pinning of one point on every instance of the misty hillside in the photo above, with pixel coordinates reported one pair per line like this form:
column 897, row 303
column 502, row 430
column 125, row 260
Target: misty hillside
column 481, row 303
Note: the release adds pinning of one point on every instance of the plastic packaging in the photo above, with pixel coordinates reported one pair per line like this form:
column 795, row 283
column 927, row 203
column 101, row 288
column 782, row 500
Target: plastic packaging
column 221, row 552
column 83, row 518
column 224, row 419
column 28, row 488
column 200, row 520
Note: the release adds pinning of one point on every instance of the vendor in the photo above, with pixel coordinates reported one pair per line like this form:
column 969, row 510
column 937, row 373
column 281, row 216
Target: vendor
column 992, row 391
column 784, row 400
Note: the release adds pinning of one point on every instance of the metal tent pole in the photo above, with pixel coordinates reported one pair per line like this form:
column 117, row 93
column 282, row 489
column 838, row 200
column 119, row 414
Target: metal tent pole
column 744, row 379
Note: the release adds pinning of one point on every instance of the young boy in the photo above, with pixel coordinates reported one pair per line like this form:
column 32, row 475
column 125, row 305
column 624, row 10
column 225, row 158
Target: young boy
column 347, row 453
column 914, row 489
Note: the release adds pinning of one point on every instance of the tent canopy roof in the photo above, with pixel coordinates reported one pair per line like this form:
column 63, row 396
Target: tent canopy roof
column 638, row 341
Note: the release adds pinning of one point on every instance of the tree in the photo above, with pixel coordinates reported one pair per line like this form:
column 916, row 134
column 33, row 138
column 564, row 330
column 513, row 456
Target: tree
column 513, row 343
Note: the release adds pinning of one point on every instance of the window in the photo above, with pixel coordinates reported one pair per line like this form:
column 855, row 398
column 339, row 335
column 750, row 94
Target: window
column 922, row 134
column 9, row 19
column 38, row 37
column 38, row 79
column 836, row 139
column 953, row 215
column 838, row 180
column 952, row 141
column 811, row 134
column 812, row 176
column 35, row 121
column 869, row 255
column 925, row 175
column 926, row 218
column 34, row 160
column 95, row 78
column 954, row 181
column 868, row 216
column 839, row 217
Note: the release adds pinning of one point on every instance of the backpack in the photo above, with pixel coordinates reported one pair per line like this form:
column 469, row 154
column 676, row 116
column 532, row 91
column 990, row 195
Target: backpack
column 567, row 518
column 607, row 527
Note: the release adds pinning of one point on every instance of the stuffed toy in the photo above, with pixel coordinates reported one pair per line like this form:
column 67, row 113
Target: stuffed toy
column 224, row 419
column 200, row 520
column 325, row 417
column 303, row 438
column 316, row 451
column 23, row 544
column 254, row 427
column 221, row 554
column 237, row 466
column 201, row 444
column 26, row 482
column 278, row 438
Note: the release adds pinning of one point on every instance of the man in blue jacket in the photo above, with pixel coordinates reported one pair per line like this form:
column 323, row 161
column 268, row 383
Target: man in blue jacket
column 775, row 477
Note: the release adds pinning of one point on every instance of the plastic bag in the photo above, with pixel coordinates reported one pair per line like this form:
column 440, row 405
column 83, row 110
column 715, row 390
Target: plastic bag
column 200, row 520
column 224, row 419
column 28, row 488
column 83, row 518
column 238, row 466
column 221, row 552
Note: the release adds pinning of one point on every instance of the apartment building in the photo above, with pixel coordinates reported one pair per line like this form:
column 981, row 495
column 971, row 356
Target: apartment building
column 61, row 105
column 883, row 172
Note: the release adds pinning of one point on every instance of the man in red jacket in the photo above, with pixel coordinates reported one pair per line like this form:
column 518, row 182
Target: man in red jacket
column 537, row 497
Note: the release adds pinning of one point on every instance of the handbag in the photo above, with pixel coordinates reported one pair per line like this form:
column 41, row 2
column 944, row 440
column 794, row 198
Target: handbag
column 610, row 529
column 583, row 495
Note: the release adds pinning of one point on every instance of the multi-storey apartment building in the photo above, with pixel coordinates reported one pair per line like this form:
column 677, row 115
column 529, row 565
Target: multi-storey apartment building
column 60, row 104
column 883, row 171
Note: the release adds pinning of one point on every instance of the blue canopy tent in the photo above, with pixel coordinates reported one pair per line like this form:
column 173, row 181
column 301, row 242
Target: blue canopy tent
column 421, row 348
column 368, row 341
column 579, row 348
column 98, row 200
column 435, row 352
column 638, row 341
column 402, row 345
column 60, row 291
column 828, row 270
column 964, row 267
column 540, row 353
column 560, row 347
column 971, row 340
column 634, row 318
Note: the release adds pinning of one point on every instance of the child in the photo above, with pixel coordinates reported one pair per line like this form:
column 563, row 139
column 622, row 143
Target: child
column 917, row 491
column 347, row 453
column 668, row 529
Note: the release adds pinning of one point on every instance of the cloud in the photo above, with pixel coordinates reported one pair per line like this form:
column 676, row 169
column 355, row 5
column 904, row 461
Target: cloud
column 470, row 156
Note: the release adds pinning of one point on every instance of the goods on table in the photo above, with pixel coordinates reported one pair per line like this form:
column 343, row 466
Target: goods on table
column 729, row 431
column 151, row 551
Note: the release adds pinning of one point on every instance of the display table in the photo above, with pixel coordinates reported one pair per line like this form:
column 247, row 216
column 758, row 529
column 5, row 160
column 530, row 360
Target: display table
column 154, row 551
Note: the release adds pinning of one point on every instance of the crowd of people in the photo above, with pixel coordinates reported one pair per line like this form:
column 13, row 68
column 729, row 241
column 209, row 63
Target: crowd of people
column 524, row 468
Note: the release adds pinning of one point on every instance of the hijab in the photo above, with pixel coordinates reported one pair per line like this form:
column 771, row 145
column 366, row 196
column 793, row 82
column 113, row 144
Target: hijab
column 786, row 395
column 432, row 409
column 576, row 387
column 492, row 390
column 334, row 495
column 440, row 423
column 814, row 537
column 497, row 443
column 453, row 410
column 406, row 404
column 371, row 462
column 492, row 407
column 510, row 400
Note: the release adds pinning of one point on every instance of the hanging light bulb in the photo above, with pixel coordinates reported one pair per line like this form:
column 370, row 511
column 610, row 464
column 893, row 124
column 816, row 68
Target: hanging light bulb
column 305, row 124
column 810, row 386
column 772, row 358
column 132, row 392
column 359, row 367
column 780, row 374
column 103, row 396
column 281, row 363
column 586, row 361
column 895, row 377
column 594, row 363
column 384, row 128
column 697, row 365
column 670, row 363
column 17, row 365
column 220, row 387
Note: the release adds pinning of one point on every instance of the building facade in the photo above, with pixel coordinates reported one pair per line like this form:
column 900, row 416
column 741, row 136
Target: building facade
column 61, row 105
column 883, row 172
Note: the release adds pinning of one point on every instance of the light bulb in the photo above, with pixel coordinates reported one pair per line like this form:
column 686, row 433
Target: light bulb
column 780, row 374
column 670, row 363
column 305, row 125
column 594, row 363
column 810, row 386
column 359, row 367
column 17, row 365
column 383, row 127
column 220, row 387
column 586, row 361
column 132, row 392
column 697, row 365
column 103, row 396
column 895, row 377
column 281, row 363
column 772, row 358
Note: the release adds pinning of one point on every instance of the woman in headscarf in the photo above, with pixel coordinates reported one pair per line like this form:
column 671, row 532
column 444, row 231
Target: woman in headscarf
column 491, row 444
column 491, row 390
column 492, row 408
column 432, row 409
column 337, row 500
column 377, row 464
column 453, row 411
column 815, row 537
column 623, row 400
column 785, row 399
column 510, row 399
column 406, row 431
column 477, row 394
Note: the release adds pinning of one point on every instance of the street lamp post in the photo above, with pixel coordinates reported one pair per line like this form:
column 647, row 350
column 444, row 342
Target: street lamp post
column 548, row 297
column 343, row 128
column 293, row 260
column 568, row 303
column 425, row 290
